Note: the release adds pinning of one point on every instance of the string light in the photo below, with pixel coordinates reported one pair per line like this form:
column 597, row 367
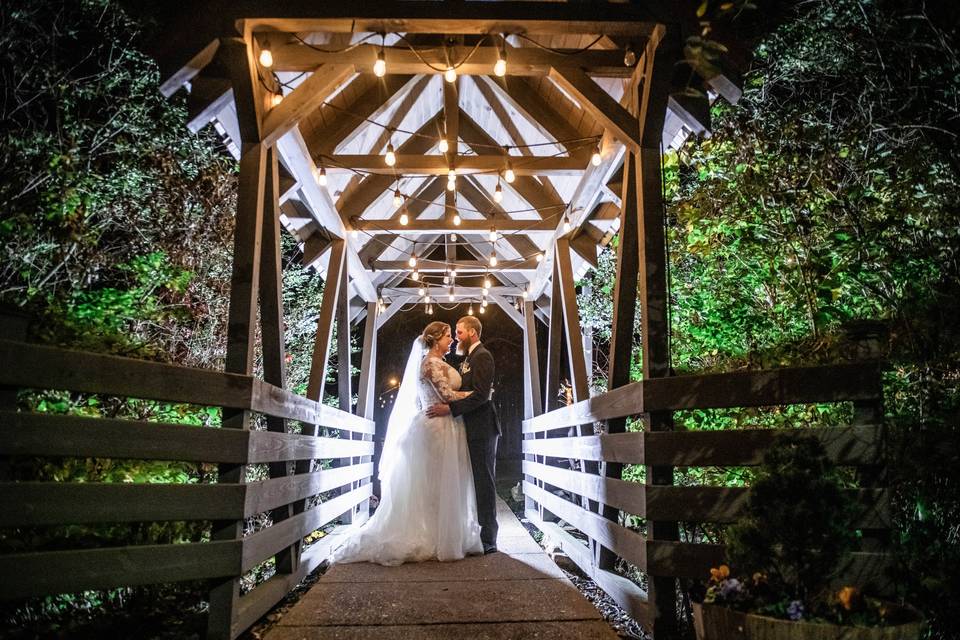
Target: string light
column 500, row 68
column 493, row 234
column 413, row 260
column 450, row 75
column 509, row 175
column 426, row 299
column 355, row 233
column 421, row 292
column 397, row 200
column 498, row 192
column 539, row 257
column 629, row 56
column 266, row 58
column 430, row 309
column 486, row 284
column 566, row 224
column 415, row 275
column 453, row 237
column 453, row 272
column 404, row 218
column 493, row 259
column 321, row 177
column 275, row 100
column 483, row 308
column 456, row 220
column 380, row 66
column 391, row 157
column 483, row 305
column 452, row 180
column 444, row 145
column 451, row 295
column 526, row 292
column 446, row 278
column 470, row 310
column 595, row 159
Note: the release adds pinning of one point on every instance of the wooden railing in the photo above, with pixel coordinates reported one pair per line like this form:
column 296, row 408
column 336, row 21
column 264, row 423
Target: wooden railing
column 555, row 491
column 61, row 503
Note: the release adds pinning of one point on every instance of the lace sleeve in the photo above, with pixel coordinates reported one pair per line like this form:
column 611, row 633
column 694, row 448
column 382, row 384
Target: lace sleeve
column 434, row 372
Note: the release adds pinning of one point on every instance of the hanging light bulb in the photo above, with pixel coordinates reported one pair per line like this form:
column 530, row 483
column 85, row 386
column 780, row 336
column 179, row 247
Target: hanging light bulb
column 483, row 308
column 453, row 237
column 498, row 193
column 415, row 275
column 275, row 100
column 421, row 292
column 426, row 298
column 380, row 300
column 404, row 218
column 470, row 310
column 629, row 56
column 397, row 200
column 452, row 180
column 355, row 233
column 500, row 68
column 595, row 159
column 446, row 278
column 486, row 284
column 509, row 175
column 451, row 296
column 380, row 66
column 450, row 75
column 456, row 220
column 444, row 145
column 430, row 309
column 412, row 261
column 483, row 305
column 453, row 272
column 266, row 58
column 539, row 257
column 321, row 176
column 526, row 292
column 566, row 224
column 391, row 157
column 493, row 234
column 493, row 259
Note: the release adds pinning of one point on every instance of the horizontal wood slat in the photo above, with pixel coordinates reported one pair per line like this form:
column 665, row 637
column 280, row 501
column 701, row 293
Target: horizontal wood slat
column 795, row 385
column 618, row 447
column 266, row 446
column 627, row 544
column 279, row 402
column 626, row 496
column 683, row 559
column 38, row 434
column 270, row 494
column 268, row 542
column 628, row 595
column 54, row 572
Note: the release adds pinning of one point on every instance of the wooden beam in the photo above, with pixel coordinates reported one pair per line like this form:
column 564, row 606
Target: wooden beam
column 483, row 203
column 571, row 321
column 585, row 247
column 599, row 104
column 508, row 308
column 344, row 392
column 436, row 165
column 443, row 226
column 392, row 310
column 305, row 98
column 190, row 68
column 461, row 265
column 521, row 61
column 368, row 364
column 554, row 345
column 531, row 362
column 328, row 307
column 528, row 102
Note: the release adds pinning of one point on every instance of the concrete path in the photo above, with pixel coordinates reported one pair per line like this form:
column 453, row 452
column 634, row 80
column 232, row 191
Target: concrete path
column 516, row 593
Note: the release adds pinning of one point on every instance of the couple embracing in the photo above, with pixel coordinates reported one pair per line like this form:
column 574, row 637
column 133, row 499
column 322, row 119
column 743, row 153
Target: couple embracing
column 438, row 464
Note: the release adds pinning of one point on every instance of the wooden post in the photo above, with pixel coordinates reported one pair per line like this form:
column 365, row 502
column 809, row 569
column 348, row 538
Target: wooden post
column 531, row 380
column 271, row 327
column 13, row 326
column 660, row 63
column 344, row 390
column 366, row 390
column 553, row 345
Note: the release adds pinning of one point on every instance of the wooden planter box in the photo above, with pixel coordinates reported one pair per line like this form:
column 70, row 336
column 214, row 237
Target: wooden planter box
column 720, row 623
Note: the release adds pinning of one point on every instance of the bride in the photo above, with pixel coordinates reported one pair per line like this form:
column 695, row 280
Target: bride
column 428, row 508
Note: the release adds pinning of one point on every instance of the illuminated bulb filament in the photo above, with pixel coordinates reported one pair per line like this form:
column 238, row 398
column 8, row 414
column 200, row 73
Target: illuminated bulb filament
column 404, row 219
column 526, row 293
column 444, row 145
column 498, row 193
column 509, row 175
column 595, row 159
column 456, row 219
column 421, row 292
column 266, row 58
column 391, row 157
column 426, row 298
column 380, row 66
column 415, row 275
column 493, row 235
column 450, row 75
column 500, row 68
column 453, row 237
column 486, row 284
column 322, row 177
column 412, row 261
column 397, row 199
column 493, row 259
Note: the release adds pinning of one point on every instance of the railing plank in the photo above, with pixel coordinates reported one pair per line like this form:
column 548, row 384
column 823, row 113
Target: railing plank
column 38, row 434
column 269, row 494
column 42, row 367
column 623, row 495
column 285, row 404
column 616, row 447
column 629, row 545
column 266, row 446
column 792, row 385
column 51, row 572
column 263, row 544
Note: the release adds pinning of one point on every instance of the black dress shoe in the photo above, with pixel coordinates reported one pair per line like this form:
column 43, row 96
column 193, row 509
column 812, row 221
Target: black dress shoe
column 489, row 548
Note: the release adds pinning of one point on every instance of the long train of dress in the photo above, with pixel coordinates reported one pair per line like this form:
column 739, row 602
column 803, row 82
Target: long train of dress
column 428, row 507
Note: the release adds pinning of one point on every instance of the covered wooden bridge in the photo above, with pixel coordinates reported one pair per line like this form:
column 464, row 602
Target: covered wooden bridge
column 423, row 153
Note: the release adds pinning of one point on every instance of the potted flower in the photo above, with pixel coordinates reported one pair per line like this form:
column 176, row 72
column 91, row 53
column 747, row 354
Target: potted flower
column 784, row 555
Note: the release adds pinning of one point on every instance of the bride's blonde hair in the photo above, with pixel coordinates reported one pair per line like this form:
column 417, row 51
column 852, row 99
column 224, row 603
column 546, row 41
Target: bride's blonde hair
column 433, row 332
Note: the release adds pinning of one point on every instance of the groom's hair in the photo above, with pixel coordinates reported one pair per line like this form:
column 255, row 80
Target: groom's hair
column 471, row 322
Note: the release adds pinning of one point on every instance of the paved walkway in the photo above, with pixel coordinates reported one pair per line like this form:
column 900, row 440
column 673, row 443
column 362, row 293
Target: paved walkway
column 516, row 593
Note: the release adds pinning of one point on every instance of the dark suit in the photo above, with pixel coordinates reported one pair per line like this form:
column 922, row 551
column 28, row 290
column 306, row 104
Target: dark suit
column 483, row 432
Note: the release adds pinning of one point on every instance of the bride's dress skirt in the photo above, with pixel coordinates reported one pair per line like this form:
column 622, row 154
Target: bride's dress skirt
column 428, row 508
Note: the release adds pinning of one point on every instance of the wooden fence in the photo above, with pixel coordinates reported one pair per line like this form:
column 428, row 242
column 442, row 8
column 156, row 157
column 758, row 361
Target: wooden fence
column 554, row 490
column 225, row 503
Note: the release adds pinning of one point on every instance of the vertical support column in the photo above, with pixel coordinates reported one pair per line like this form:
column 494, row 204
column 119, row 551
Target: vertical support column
column 531, row 381
column 344, row 389
column 366, row 388
column 553, row 345
column 271, row 323
column 13, row 326
column 659, row 66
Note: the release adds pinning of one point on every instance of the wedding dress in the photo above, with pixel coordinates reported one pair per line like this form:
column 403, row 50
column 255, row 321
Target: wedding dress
column 428, row 508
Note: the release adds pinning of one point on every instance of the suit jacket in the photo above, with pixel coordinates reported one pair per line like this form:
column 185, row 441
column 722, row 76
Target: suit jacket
column 479, row 415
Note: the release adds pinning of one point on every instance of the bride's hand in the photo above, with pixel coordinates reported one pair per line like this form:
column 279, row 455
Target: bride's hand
column 437, row 410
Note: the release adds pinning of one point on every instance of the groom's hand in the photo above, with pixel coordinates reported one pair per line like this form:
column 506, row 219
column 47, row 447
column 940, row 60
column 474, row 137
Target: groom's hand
column 438, row 410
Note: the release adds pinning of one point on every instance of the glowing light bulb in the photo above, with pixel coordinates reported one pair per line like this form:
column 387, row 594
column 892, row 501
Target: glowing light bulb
column 470, row 310
column 380, row 66
column 566, row 224
column 266, row 58
column 629, row 56
column 446, row 279
column 412, row 261
column 322, row 177
column 355, row 233
column 415, row 275
column 456, row 220
column 397, row 199
column 595, row 159
column 526, row 292
column 483, row 305
column 404, row 219
column 451, row 297
column 540, row 257
column 486, row 284
column 421, row 292
column 493, row 259
column 493, row 235
column 498, row 193
column 275, row 100
column 509, row 175
column 391, row 157
column 453, row 273
column 482, row 309
column 451, row 185
column 444, row 145
column 426, row 298
column 450, row 75
column 453, row 237
column 500, row 68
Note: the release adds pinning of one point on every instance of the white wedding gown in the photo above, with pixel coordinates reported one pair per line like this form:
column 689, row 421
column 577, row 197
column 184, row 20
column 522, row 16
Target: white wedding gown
column 428, row 508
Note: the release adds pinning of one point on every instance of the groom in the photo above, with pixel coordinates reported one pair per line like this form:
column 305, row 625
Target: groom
column 482, row 424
